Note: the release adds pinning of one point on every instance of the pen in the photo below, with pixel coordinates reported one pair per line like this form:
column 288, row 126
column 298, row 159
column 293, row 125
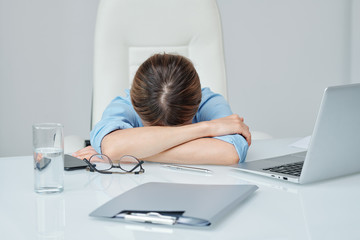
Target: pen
column 181, row 167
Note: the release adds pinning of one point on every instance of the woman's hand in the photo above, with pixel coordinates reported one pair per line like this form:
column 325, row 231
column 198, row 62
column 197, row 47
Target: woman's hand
column 232, row 124
column 85, row 153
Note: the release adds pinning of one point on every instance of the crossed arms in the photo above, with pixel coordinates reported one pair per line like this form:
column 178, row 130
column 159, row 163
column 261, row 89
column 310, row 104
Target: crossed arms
column 188, row 144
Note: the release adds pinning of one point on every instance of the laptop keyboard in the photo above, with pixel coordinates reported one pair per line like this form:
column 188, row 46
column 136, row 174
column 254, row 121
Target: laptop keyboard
column 293, row 169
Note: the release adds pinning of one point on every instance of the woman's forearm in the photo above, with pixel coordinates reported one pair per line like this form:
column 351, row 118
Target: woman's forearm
column 199, row 151
column 180, row 143
column 148, row 141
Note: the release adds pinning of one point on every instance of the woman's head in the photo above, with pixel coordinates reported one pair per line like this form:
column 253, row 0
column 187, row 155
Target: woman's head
column 166, row 90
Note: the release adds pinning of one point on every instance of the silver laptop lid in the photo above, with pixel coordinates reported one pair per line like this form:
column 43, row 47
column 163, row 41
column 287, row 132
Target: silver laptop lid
column 334, row 149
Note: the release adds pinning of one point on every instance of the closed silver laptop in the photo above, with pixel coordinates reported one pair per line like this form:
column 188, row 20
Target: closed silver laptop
column 334, row 149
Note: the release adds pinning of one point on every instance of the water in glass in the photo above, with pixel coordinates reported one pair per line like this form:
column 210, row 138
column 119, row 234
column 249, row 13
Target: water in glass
column 49, row 170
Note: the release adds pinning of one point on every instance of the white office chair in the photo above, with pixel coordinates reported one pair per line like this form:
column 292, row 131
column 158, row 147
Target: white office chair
column 129, row 31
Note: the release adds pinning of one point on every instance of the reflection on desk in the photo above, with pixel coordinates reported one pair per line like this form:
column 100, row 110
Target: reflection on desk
column 278, row 210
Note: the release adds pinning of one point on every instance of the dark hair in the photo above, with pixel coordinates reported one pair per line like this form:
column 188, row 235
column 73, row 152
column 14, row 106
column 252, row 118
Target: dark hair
column 166, row 90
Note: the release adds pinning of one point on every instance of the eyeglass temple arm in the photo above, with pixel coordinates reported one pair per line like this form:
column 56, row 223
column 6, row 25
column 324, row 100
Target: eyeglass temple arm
column 137, row 165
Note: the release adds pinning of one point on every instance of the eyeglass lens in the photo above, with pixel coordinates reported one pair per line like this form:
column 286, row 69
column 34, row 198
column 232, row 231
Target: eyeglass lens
column 129, row 163
column 101, row 162
column 126, row 163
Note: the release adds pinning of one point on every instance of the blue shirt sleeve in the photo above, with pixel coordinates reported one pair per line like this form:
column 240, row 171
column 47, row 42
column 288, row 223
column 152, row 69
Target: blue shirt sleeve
column 119, row 114
column 214, row 106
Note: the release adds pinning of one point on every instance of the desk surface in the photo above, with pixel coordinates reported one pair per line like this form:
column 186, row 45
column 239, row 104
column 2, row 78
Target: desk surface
column 278, row 210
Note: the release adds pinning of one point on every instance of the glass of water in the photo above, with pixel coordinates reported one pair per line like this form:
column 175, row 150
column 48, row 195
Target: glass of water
column 48, row 150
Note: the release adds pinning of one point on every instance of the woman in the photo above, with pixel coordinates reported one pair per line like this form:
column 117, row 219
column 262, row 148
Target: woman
column 167, row 117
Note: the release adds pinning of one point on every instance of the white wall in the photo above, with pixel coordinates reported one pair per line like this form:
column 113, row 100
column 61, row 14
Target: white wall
column 355, row 41
column 46, row 49
column 280, row 55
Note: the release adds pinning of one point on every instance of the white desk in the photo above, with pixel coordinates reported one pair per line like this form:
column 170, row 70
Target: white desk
column 278, row 210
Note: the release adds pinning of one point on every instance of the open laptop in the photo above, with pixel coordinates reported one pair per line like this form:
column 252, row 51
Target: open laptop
column 334, row 149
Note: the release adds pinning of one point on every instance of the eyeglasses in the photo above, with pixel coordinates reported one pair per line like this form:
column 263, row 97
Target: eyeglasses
column 102, row 164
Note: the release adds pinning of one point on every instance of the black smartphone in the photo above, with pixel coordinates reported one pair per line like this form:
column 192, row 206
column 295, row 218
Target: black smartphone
column 72, row 163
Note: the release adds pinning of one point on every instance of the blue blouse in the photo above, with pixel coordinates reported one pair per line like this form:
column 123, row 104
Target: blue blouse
column 120, row 114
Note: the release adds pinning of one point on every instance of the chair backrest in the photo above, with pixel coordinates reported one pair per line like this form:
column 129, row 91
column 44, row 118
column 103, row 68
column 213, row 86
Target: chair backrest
column 129, row 31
